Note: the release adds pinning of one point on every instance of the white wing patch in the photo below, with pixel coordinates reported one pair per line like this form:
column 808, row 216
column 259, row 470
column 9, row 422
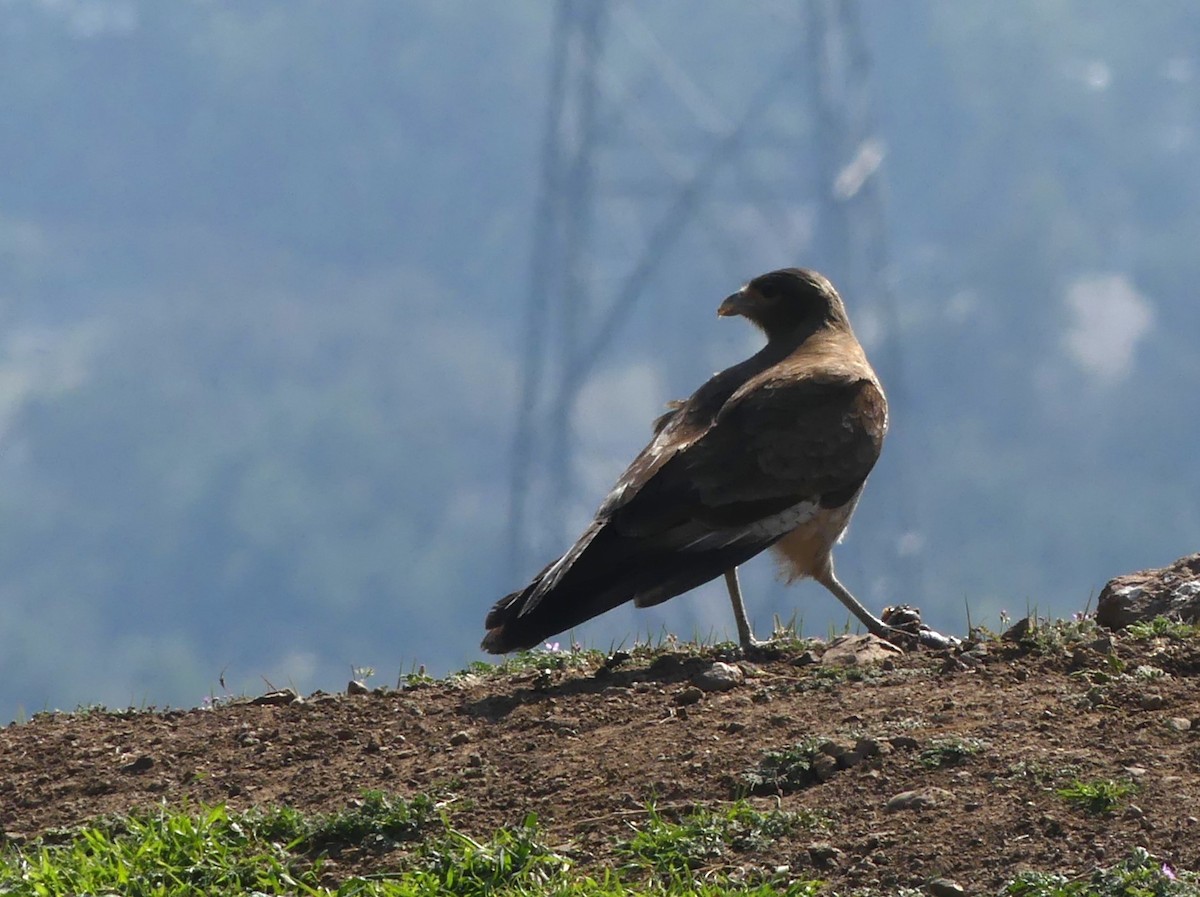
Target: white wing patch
column 768, row 528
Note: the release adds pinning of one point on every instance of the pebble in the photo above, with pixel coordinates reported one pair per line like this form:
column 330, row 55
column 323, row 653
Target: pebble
column 357, row 687
column 689, row 695
column 944, row 887
column 721, row 677
column 920, row 799
column 870, row 747
column 460, row 737
column 278, row 697
column 1180, row 723
column 858, row 650
column 823, row 854
column 141, row 764
column 823, row 767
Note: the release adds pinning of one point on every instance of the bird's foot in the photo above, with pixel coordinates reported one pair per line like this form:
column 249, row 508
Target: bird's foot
column 762, row 649
column 901, row 625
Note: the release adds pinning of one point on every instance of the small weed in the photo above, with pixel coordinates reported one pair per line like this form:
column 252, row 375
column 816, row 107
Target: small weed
column 1041, row 773
column 416, row 677
column 1141, row 875
column 1163, row 627
column 1049, row 636
column 514, row 857
column 1099, row 796
column 674, row 850
column 551, row 657
column 785, row 771
column 377, row 820
column 949, row 751
column 1149, row 671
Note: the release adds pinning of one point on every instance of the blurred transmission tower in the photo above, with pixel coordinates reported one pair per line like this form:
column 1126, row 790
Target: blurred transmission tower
column 671, row 173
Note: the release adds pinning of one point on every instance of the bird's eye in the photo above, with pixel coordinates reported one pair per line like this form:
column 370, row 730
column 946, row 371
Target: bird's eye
column 768, row 290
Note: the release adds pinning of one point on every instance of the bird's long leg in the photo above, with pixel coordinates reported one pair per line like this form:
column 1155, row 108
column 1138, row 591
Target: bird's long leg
column 745, row 636
column 874, row 625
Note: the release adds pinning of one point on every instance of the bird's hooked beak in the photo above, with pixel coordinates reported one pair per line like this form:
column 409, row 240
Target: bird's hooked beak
column 734, row 304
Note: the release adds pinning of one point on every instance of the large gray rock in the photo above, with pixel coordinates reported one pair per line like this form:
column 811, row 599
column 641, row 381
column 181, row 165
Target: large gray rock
column 858, row 650
column 1172, row 591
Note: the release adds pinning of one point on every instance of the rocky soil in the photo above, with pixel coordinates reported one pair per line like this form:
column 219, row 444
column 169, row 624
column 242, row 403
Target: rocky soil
column 922, row 766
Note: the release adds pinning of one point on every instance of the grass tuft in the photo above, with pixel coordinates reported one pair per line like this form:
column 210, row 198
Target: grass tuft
column 1140, row 875
column 1098, row 796
column 675, row 850
column 949, row 751
column 1163, row 627
column 785, row 771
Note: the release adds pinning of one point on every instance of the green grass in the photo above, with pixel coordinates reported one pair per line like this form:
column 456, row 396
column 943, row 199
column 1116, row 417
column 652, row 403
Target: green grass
column 1163, row 627
column 949, row 751
column 1098, row 796
column 784, row 771
column 1141, row 875
column 215, row 852
column 672, row 850
column 191, row 852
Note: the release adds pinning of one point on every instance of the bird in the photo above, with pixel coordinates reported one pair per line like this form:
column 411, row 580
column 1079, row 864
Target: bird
column 771, row 453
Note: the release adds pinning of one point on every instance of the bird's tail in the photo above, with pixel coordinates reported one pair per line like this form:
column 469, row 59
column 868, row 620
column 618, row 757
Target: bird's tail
column 602, row 571
column 525, row 618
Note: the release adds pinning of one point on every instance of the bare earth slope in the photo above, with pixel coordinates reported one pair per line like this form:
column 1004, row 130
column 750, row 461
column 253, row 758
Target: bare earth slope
column 1000, row 730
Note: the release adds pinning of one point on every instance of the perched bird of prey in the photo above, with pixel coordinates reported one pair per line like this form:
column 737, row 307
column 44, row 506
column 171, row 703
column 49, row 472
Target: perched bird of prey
column 770, row 453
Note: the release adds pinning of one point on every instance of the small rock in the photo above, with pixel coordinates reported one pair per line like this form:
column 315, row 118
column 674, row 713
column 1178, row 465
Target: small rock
column 1135, row 771
column 1018, row 630
column 858, row 650
column 720, row 677
column 870, row 747
column 823, row 767
column 689, row 695
column 1103, row 645
column 357, row 687
column 823, row 855
column 850, row 759
column 904, row 743
column 953, row 665
column 141, row 764
column 1152, row 701
column 1179, row 723
column 944, row 887
column 460, row 737
column 1133, row 811
column 833, row 749
column 920, row 799
column 807, row 659
column 280, row 696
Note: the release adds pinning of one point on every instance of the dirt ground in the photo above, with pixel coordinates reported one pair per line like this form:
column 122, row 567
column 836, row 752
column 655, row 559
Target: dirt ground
column 1000, row 730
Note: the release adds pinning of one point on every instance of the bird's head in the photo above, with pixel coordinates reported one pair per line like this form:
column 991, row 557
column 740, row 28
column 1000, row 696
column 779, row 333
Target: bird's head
column 787, row 301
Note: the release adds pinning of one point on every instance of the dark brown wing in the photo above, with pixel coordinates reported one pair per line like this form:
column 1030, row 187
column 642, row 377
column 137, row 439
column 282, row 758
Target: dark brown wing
column 777, row 444
column 711, row 491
